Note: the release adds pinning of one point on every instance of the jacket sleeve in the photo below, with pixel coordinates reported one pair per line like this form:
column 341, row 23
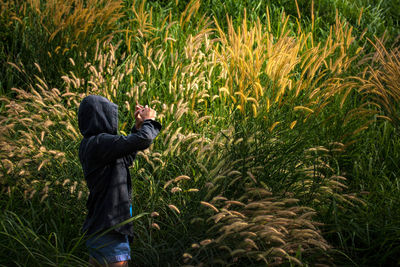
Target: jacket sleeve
column 108, row 147
column 131, row 157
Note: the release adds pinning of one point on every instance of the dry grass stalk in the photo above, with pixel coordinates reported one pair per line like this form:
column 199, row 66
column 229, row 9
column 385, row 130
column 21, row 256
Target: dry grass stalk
column 320, row 184
column 174, row 208
column 274, row 236
column 247, row 52
column 38, row 122
column 68, row 23
column 378, row 85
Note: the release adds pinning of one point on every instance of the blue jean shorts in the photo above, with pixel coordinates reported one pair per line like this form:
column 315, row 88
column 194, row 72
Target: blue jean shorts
column 109, row 248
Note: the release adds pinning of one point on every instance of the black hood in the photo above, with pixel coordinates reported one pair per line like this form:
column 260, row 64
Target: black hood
column 97, row 115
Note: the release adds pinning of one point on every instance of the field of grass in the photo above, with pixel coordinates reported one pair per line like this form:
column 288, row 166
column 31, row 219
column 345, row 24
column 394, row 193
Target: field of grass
column 280, row 142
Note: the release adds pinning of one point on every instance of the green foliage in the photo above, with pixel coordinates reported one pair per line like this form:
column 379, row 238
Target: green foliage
column 48, row 33
column 41, row 237
column 266, row 111
column 372, row 166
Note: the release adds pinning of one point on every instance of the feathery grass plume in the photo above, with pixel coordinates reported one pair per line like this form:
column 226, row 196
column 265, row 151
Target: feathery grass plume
column 378, row 85
column 73, row 22
column 191, row 8
column 176, row 189
column 183, row 60
column 247, row 54
column 241, row 55
column 253, row 222
column 154, row 214
column 141, row 24
column 174, row 208
column 39, row 122
column 155, row 226
column 49, row 33
column 320, row 184
column 246, row 234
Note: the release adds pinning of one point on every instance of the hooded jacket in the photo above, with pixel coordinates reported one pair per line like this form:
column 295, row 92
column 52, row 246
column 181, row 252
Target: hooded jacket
column 105, row 158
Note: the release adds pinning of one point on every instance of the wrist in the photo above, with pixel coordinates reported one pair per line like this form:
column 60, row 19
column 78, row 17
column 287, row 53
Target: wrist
column 149, row 118
column 138, row 125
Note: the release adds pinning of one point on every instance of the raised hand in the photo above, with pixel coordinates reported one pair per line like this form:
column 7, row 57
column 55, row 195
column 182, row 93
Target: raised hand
column 147, row 113
column 142, row 114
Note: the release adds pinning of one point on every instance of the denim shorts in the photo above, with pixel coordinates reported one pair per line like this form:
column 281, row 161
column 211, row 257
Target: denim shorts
column 109, row 248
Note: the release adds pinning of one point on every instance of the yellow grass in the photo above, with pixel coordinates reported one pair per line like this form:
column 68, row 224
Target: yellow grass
column 246, row 52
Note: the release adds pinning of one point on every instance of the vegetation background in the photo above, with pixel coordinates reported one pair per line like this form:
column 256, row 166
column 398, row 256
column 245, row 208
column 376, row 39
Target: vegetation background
column 280, row 141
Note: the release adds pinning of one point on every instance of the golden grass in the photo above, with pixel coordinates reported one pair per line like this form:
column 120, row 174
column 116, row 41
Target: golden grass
column 378, row 85
column 247, row 52
column 241, row 54
column 71, row 22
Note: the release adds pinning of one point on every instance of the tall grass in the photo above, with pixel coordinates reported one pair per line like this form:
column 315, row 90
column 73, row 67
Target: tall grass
column 266, row 156
column 378, row 84
column 28, row 242
column 48, row 32
column 260, row 67
column 38, row 131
